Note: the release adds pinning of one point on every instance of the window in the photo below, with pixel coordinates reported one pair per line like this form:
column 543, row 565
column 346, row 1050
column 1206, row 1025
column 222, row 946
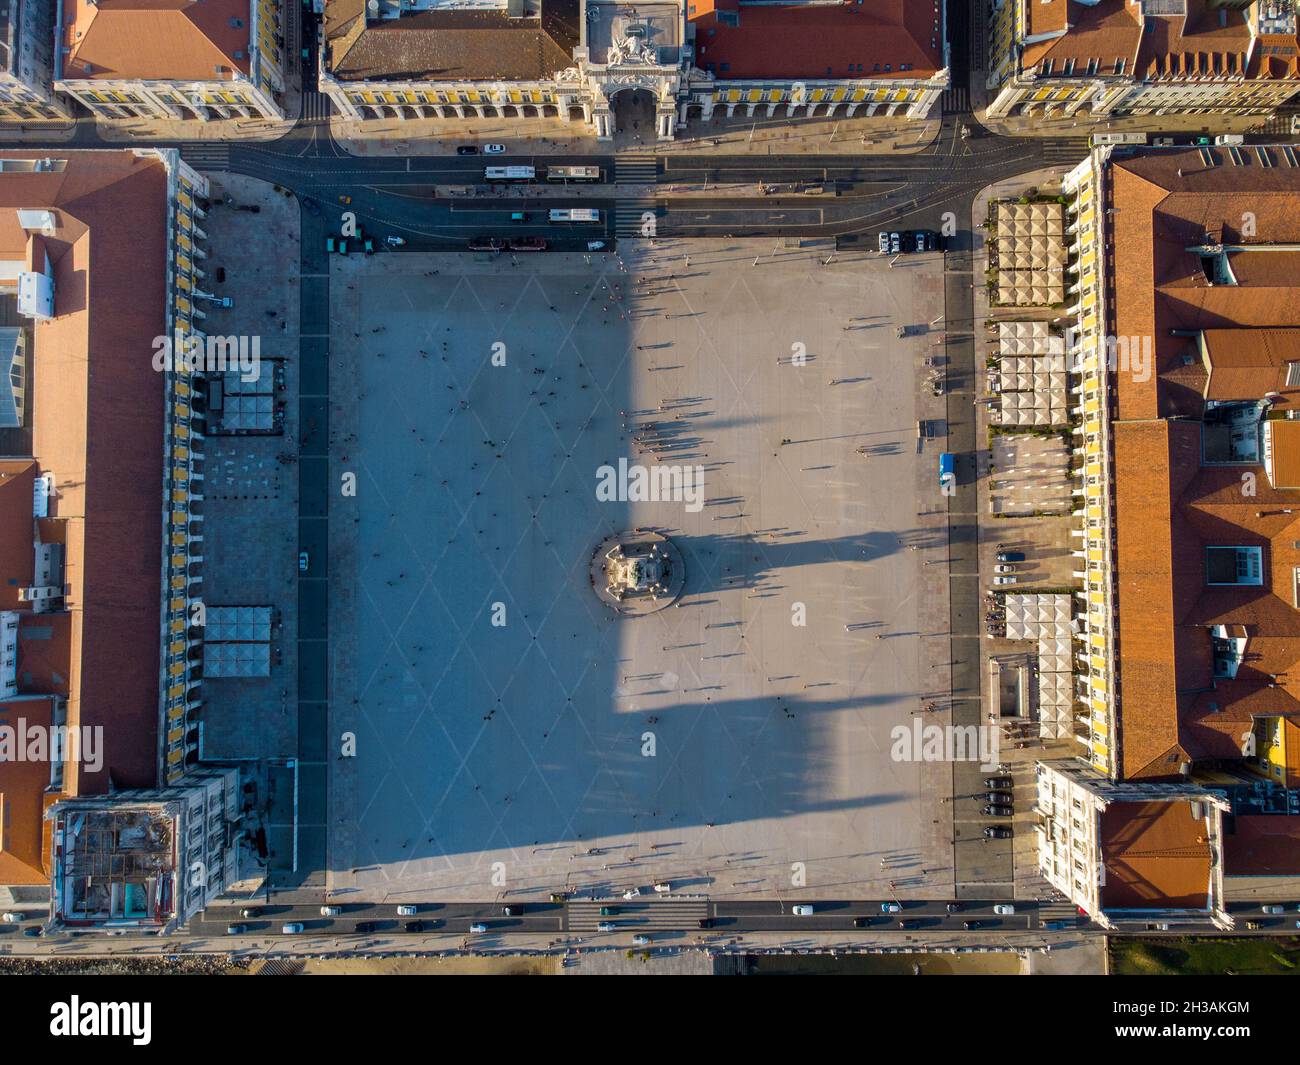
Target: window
column 1234, row 565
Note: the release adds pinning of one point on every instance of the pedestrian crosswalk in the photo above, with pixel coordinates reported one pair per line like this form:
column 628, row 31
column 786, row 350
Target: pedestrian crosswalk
column 636, row 170
column 643, row 915
column 1057, row 911
column 315, row 106
column 636, row 218
column 1282, row 123
column 207, row 156
column 956, row 100
column 1066, row 150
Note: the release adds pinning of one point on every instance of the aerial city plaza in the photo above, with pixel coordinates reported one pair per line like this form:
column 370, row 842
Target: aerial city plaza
column 685, row 487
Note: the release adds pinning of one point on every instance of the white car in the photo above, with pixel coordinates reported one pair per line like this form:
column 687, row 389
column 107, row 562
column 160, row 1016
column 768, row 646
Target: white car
column 1272, row 909
column 331, row 911
column 640, row 941
column 884, row 244
column 1005, row 578
column 494, row 149
column 1004, row 909
column 293, row 928
column 478, row 928
column 1005, row 567
column 890, row 907
column 11, row 917
column 632, row 893
column 802, row 910
column 406, row 910
column 663, row 887
column 895, row 243
column 605, row 926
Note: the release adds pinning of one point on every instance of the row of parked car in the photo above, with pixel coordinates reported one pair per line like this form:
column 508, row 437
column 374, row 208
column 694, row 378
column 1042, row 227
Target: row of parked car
column 909, row 241
column 1005, row 567
column 406, row 909
column 999, row 802
column 889, row 910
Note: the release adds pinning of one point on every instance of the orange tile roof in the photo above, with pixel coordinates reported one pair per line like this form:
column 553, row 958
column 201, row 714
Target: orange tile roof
column 23, row 798
column 97, row 424
column 1046, row 16
column 45, row 653
column 17, row 530
column 1284, row 435
column 819, row 40
column 1262, row 845
column 155, row 40
column 1249, row 363
column 1169, row 508
column 1156, row 856
column 1211, row 40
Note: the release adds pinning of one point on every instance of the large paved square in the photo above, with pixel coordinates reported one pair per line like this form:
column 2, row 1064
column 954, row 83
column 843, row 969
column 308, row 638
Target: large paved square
column 719, row 743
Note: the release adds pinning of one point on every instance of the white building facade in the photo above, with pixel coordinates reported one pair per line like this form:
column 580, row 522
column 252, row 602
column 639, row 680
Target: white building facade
column 621, row 48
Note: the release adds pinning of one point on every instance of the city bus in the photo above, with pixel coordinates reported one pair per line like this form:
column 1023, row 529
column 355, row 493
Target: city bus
column 582, row 215
column 510, row 173
column 573, row 173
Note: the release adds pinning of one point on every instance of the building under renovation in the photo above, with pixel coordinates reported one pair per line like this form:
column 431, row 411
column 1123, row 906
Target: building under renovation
column 144, row 859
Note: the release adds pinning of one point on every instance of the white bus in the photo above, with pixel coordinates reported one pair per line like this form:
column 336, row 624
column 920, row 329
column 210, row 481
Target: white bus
column 510, row 173
column 582, row 215
column 573, row 173
column 1099, row 139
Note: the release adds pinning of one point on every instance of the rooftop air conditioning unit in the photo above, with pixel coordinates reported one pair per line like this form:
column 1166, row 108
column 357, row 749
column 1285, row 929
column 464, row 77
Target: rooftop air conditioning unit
column 35, row 295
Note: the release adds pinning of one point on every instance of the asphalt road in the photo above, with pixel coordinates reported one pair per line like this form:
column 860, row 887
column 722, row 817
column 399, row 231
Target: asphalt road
column 629, row 916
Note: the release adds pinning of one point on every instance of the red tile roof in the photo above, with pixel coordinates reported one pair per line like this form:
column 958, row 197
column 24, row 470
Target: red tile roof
column 97, row 425
column 164, row 40
column 23, row 798
column 1156, row 856
column 1212, row 39
column 17, row 530
column 1263, row 845
column 856, row 38
column 1170, row 507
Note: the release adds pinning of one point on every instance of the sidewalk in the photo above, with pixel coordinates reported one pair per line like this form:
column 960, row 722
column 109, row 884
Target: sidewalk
column 544, row 136
column 129, row 130
column 131, row 948
column 1038, row 126
column 55, row 131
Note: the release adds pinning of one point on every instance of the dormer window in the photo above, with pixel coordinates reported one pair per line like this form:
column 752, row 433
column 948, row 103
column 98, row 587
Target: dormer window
column 1242, row 566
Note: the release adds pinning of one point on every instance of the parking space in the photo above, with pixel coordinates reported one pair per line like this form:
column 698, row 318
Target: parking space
column 1029, row 475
